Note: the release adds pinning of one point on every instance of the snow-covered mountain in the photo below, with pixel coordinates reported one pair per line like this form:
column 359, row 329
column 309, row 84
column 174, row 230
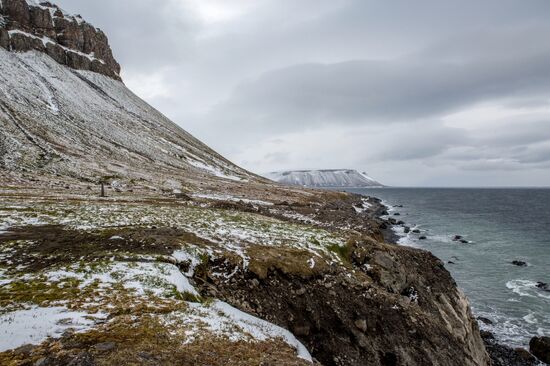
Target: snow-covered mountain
column 64, row 110
column 324, row 178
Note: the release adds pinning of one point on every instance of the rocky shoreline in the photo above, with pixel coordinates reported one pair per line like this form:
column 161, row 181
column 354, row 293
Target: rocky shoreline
column 315, row 265
column 500, row 354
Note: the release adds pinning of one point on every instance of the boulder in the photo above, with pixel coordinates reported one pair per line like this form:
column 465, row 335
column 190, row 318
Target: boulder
column 4, row 39
column 485, row 320
column 361, row 324
column 543, row 286
column 423, row 237
column 77, row 61
column 540, row 347
column 457, row 237
column 416, row 231
column 22, row 43
column 464, row 241
column 301, row 330
column 18, row 12
column 105, row 346
column 41, row 19
column 519, row 263
column 407, row 229
column 56, row 52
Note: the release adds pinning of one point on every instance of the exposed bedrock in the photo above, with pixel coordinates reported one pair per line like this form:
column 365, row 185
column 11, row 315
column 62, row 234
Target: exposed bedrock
column 388, row 306
column 68, row 39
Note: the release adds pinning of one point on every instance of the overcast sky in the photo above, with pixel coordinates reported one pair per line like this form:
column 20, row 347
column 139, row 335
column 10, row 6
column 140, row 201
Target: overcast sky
column 428, row 93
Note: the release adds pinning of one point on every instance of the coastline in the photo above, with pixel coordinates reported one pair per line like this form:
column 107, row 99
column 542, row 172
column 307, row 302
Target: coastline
column 500, row 354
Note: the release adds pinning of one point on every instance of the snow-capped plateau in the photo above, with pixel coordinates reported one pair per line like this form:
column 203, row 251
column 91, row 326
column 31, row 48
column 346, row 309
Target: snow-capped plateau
column 324, row 178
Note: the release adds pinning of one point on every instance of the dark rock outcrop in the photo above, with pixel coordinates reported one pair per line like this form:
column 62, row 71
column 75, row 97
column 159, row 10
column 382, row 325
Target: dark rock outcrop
column 421, row 318
column 540, row 347
column 519, row 263
column 68, row 39
column 502, row 355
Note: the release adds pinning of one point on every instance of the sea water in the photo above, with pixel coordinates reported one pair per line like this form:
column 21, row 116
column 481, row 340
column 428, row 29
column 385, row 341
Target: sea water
column 500, row 225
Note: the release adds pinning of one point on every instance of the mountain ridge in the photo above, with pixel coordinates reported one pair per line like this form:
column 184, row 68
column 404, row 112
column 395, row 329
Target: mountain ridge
column 324, row 178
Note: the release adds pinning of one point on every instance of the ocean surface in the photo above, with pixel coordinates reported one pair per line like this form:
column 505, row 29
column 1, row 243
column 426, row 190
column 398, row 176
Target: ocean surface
column 501, row 225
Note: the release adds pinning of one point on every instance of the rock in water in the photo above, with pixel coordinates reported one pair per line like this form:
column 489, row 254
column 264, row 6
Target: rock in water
column 540, row 347
column 519, row 263
column 485, row 320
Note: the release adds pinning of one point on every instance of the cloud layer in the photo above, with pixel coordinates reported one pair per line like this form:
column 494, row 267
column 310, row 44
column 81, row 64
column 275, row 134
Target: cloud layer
column 430, row 93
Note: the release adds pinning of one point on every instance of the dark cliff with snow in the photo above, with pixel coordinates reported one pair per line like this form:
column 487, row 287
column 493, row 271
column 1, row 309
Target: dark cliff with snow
column 68, row 39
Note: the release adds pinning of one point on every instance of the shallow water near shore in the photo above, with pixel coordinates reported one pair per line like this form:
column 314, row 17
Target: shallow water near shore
column 501, row 225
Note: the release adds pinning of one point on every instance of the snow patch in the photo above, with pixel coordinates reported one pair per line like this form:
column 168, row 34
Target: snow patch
column 224, row 197
column 222, row 318
column 32, row 326
column 213, row 170
column 156, row 278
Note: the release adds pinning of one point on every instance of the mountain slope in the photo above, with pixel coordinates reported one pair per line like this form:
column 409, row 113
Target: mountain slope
column 65, row 111
column 81, row 123
column 324, row 178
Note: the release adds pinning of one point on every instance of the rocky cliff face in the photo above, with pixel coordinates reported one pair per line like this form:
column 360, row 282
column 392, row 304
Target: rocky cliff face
column 69, row 40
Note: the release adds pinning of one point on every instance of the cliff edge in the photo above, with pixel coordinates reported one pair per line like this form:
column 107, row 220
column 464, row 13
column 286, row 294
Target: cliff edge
column 69, row 40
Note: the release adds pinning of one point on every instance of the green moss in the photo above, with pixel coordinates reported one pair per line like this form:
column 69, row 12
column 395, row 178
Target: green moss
column 38, row 291
column 343, row 251
column 184, row 296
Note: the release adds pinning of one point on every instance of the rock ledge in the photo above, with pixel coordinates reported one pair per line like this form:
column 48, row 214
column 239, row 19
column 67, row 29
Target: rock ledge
column 68, row 39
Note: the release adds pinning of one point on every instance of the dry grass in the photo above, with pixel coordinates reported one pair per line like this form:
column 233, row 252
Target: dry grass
column 147, row 341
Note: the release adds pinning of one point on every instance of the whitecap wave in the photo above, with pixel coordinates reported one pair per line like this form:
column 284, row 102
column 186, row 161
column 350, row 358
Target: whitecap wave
column 522, row 287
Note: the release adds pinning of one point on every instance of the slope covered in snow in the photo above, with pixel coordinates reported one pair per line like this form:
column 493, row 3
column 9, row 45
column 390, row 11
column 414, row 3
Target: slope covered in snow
column 82, row 124
column 324, row 178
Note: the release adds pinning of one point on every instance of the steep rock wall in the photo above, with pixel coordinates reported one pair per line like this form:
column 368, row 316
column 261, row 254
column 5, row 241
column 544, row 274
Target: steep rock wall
column 68, row 39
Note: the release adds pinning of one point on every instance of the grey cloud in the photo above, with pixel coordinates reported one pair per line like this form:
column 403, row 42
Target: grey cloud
column 381, row 91
column 145, row 34
column 302, row 82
